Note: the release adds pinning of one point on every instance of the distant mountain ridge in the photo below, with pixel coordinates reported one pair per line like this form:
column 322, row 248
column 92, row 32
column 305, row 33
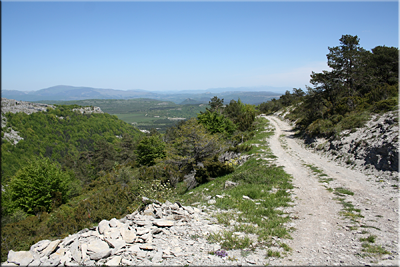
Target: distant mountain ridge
column 66, row 93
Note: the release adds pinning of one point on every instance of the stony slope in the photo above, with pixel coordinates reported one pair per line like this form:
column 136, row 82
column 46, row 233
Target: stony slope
column 372, row 149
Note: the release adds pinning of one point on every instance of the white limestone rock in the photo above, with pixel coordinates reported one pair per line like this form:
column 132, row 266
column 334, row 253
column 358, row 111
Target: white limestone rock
column 51, row 247
column 163, row 223
column 101, row 254
column 103, row 226
column 128, row 234
column 97, row 246
column 20, row 257
column 115, row 261
column 39, row 246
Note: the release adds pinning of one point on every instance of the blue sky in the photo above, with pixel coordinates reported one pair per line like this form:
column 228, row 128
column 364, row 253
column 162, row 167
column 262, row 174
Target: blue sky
column 181, row 45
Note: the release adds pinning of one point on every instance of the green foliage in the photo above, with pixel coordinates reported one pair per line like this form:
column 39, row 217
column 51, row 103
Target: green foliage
column 61, row 134
column 271, row 253
column 115, row 189
column 40, row 186
column 104, row 156
column 212, row 168
column 285, row 100
column 149, row 149
column 215, row 105
column 384, row 62
column 386, row 105
column 320, row 127
column 193, row 144
column 216, row 123
column 243, row 115
column 241, row 148
column 104, row 201
column 16, row 216
column 126, row 150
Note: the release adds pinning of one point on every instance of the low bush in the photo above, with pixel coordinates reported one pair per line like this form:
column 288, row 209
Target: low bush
column 386, row 105
column 212, row 168
column 320, row 127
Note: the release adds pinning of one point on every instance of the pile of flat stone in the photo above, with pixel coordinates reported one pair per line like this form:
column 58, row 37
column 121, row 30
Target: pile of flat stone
column 160, row 234
column 169, row 233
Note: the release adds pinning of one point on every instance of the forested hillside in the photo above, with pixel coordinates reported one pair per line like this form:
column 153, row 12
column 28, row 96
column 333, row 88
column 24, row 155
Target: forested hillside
column 72, row 170
column 60, row 134
column 359, row 83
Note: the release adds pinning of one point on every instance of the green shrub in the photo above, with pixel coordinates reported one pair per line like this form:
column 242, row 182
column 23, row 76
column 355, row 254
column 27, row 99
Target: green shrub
column 149, row 149
column 354, row 120
column 336, row 118
column 320, row 127
column 217, row 123
column 40, row 186
column 241, row 148
column 212, row 168
column 385, row 105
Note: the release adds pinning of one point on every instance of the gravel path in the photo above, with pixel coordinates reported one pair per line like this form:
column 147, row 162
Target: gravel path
column 322, row 235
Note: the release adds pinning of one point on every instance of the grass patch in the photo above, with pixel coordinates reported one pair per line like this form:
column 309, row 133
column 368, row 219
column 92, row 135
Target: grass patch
column 325, row 180
column 349, row 210
column 374, row 249
column 317, row 171
column 271, row 253
column 229, row 241
column 285, row 246
column 370, row 239
column 370, row 226
column 340, row 191
column 329, row 189
column 314, row 169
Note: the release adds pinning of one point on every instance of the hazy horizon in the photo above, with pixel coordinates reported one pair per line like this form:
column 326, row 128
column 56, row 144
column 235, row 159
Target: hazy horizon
column 246, row 88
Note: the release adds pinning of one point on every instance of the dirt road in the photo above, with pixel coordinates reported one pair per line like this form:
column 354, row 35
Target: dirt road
column 326, row 234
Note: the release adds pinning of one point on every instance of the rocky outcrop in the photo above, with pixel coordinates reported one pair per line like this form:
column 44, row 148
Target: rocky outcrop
column 12, row 136
column 233, row 158
column 14, row 106
column 88, row 110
